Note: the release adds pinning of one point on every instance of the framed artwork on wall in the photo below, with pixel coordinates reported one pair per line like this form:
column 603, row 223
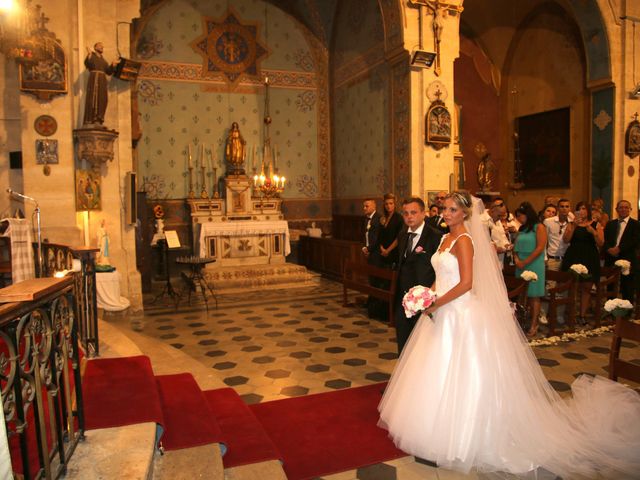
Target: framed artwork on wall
column 438, row 125
column 632, row 138
column 45, row 73
column 88, row 191
column 46, row 151
column 544, row 141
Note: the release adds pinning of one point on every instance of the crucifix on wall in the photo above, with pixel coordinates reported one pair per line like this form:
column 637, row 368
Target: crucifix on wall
column 439, row 10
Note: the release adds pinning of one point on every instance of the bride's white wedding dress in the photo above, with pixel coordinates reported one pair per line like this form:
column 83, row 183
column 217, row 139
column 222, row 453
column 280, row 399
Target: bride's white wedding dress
column 468, row 392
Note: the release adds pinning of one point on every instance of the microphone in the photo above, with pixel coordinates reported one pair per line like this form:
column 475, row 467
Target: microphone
column 18, row 194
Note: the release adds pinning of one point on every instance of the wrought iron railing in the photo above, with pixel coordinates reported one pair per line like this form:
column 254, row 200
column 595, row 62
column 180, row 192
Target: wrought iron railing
column 60, row 257
column 40, row 381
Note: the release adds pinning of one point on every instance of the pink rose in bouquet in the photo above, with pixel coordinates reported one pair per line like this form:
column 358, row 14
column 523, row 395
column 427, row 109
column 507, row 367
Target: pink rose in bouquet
column 419, row 249
column 417, row 299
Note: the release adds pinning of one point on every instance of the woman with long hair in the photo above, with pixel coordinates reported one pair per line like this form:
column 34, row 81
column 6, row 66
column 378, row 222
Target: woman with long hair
column 391, row 224
column 585, row 237
column 468, row 392
column 528, row 252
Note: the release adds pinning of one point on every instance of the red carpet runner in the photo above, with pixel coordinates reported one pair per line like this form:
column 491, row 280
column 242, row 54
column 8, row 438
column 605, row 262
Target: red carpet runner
column 320, row 434
column 134, row 400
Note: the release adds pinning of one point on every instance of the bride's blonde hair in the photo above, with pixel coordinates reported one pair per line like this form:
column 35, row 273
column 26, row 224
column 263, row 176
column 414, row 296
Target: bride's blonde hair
column 462, row 198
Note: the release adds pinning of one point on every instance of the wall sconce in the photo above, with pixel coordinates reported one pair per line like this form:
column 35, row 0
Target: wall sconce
column 422, row 59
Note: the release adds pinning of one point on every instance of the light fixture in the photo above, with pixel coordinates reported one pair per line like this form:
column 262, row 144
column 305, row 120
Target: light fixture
column 422, row 59
column 636, row 91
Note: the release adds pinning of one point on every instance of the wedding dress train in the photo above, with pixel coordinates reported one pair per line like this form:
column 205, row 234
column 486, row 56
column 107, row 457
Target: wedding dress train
column 468, row 392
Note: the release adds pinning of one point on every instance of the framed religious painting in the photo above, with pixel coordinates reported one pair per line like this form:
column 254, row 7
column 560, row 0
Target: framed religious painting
column 632, row 138
column 438, row 125
column 43, row 67
column 544, row 149
column 88, row 191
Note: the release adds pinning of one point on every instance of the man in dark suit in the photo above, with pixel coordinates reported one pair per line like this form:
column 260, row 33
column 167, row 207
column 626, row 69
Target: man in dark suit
column 437, row 221
column 375, row 307
column 416, row 244
column 621, row 241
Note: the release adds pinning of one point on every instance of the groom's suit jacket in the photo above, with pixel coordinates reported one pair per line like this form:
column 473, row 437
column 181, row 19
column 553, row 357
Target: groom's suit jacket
column 415, row 268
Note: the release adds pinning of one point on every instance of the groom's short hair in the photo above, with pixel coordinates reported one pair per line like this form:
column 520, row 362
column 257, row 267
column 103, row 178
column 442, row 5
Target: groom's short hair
column 417, row 200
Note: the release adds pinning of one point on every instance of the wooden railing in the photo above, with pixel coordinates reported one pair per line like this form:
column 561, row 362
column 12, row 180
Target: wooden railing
column 40, row 377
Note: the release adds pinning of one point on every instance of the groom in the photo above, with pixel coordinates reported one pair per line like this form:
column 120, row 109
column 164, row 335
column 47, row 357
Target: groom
column 416, row 245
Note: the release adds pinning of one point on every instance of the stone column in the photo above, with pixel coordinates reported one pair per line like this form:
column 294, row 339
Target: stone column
column 431, row 169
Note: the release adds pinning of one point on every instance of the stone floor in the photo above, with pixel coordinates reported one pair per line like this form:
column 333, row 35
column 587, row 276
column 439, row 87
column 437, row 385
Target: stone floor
column 273, row 344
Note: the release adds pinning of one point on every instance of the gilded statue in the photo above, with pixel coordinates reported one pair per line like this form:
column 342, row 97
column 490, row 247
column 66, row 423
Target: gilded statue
column 235, row 149
column 486, row 173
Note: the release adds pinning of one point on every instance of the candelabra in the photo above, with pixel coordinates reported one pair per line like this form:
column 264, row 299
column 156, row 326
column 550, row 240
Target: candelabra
column 271, row 185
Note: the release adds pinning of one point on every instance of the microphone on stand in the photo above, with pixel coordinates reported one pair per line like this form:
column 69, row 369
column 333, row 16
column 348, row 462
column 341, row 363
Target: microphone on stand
column 18, row 194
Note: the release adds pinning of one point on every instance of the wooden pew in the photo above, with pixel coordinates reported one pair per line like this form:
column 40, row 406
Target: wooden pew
column 355, row 276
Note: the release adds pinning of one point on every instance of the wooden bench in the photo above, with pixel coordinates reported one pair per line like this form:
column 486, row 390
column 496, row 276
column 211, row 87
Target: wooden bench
column 628, row 330
column 355, row 276
column 608, row 287
column 564, row 293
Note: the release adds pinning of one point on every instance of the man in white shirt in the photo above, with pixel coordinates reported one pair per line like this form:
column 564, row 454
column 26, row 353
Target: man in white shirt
column 499, row 236
column 556, row 246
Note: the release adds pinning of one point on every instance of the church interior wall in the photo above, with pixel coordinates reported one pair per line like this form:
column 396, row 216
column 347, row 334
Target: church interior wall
column 177, row 107
column 361, row 110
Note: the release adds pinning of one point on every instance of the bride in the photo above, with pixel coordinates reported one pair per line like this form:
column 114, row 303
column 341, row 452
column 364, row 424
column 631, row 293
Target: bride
column 468, row 392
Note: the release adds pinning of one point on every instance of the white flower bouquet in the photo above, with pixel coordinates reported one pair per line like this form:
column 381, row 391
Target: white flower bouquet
column 418, row 298
column 618, row 307
column 625, row 266
column 529, row 276
column 580, row 271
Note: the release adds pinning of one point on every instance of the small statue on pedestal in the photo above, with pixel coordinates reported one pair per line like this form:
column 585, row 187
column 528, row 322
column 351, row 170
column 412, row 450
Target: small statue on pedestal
column 97, row 95
column 103, row 244
column 235, row 150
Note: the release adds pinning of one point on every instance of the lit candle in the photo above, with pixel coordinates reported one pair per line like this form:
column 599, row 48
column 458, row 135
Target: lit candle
column 189, row 155
column 255, row 180
column 282, row 182
column 202, row 159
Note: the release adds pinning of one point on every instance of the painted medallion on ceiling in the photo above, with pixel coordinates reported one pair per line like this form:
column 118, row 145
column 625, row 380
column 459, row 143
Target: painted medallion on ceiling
column 229, row 47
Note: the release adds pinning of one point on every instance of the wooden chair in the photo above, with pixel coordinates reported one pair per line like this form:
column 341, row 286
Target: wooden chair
column 564, row 293
column 618, row 367
column 356, row 275
column 608, row 287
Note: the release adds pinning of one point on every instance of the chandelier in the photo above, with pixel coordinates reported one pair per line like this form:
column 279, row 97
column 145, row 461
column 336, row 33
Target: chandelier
column 268, row 183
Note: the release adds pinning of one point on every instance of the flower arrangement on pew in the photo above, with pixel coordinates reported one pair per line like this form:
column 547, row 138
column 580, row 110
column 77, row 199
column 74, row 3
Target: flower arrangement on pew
column 580, row 271
column 417, row 299
column 618, row 307
column 625, row 266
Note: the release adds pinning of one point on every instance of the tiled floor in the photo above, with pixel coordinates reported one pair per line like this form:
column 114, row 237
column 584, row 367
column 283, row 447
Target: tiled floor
column 280, row 343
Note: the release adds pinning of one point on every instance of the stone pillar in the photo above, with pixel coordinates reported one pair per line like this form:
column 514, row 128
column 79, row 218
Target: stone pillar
column 431, row 169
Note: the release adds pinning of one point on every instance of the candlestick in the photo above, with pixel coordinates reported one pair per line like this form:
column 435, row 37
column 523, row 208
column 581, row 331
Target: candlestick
column 189, row 155
column 203, row 192
column 191, row 192
column 215, row 183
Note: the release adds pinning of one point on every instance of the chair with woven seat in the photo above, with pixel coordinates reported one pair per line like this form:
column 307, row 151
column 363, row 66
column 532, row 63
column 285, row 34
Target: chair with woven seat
column 563, row 293
column 608, row 287
column 626, row 330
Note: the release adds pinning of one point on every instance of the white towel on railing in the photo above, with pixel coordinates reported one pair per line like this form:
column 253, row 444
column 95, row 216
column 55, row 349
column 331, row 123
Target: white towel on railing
column 22, row 265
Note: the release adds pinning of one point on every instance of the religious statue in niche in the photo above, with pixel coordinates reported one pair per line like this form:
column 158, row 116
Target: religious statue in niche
column 235, row 151
column 97, row 94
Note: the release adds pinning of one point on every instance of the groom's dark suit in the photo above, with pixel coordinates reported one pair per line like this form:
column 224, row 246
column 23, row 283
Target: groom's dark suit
column 413, row 269
column 629, row 245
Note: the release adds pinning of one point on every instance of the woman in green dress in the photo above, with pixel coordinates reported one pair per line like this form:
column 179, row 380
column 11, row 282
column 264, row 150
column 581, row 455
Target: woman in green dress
column 529, row 255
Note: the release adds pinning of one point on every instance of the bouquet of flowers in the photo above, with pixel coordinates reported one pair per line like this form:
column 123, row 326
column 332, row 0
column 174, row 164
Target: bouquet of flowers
column 618, row 307
column 580, row 271
column 529, row 276
column 418, row 298
column 625, row 265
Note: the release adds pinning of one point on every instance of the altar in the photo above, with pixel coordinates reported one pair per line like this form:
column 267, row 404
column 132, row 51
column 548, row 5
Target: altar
column 244, row 242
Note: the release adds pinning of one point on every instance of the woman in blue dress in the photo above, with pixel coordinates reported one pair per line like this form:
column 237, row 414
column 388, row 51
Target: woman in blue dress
column 529, row 255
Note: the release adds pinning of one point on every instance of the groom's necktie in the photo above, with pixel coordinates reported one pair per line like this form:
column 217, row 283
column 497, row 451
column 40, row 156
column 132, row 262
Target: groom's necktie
column 409, row 248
